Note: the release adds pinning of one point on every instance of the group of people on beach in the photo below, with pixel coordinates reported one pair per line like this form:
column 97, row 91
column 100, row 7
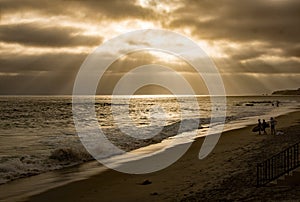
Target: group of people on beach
column 261, row 127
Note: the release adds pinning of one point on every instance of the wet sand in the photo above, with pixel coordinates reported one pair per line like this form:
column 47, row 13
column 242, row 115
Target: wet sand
column 228, row 173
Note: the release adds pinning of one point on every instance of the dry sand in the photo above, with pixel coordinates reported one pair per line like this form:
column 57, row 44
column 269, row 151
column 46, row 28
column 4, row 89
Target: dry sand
column 228, row 173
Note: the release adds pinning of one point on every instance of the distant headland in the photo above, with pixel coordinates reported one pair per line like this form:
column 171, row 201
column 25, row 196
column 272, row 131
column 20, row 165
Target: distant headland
column 287, row 92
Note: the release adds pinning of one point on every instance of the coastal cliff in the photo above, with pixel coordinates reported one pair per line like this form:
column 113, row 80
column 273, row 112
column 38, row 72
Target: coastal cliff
column 287, row 92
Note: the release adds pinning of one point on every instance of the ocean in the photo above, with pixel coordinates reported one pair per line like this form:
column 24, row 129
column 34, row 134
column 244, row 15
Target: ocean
column 37, row 133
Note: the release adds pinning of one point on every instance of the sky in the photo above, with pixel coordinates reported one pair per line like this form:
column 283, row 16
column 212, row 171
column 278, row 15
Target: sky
column 254, row 44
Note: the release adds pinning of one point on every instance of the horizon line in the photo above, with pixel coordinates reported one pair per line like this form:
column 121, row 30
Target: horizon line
column 138, row 95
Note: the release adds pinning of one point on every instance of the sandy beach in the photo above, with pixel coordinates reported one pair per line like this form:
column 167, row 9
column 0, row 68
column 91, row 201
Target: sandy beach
column 228, row 173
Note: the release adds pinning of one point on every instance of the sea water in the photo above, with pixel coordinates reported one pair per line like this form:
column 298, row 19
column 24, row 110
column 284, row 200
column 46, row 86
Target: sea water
column 37, row 133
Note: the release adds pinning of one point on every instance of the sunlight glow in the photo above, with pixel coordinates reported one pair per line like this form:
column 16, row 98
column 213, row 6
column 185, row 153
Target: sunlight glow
column 104, row 29
column 160, row 6
column 272, row 59
column 114, row 29
column 14, row 48
column 9, row 74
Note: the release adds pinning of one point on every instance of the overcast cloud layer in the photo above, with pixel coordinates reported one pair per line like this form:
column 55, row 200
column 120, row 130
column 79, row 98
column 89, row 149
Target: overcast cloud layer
column 255, row 44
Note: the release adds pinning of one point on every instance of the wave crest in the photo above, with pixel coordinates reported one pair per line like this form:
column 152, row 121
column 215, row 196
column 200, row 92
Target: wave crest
column 69, row 154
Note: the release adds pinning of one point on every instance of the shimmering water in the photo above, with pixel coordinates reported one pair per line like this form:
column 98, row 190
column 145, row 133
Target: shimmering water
column 37, row 134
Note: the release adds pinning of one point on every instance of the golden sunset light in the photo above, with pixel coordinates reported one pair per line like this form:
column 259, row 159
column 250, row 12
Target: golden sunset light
column 149, row 100
column 252, row 40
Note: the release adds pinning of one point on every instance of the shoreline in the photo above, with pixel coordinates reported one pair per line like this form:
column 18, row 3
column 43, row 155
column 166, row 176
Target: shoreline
column 79, row 172
column 112, row 185
column 29, row 164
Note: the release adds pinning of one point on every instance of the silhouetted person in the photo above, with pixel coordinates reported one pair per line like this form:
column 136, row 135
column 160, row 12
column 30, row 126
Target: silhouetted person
column 273, row 123
column 264, row 126
column 259, row 126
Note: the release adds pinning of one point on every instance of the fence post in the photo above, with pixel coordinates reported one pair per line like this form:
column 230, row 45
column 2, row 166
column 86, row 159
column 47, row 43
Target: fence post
column 296, row 154
column 278, row 165
column 258, row 175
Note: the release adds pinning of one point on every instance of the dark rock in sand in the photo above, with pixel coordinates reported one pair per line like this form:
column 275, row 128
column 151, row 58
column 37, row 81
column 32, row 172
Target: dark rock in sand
column 146, row 182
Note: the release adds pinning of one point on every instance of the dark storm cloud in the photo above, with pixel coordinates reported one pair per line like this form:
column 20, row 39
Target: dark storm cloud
column 271, row 21
column 42, row 34
column 263, row 30
column 44, row 6
column 247, row 53
column 115, row 9
column 258, row 30
column 292, row 50
column 92, row 9
column 37, row 34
